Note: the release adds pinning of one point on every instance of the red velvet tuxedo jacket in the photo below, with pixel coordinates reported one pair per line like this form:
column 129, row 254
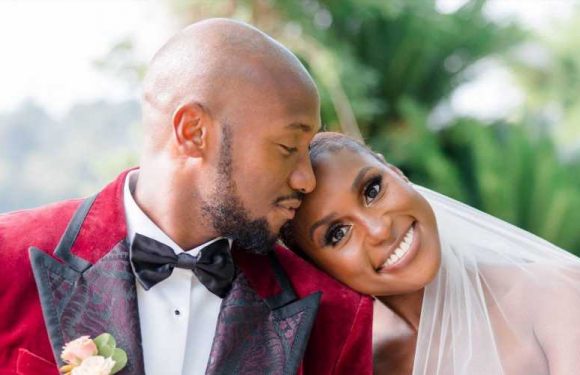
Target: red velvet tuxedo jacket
column 65, row 272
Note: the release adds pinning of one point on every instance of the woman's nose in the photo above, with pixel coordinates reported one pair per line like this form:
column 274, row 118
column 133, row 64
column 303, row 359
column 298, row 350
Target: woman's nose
column 379, row 229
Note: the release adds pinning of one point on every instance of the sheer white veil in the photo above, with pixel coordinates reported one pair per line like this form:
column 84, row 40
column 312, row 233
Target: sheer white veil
column 497, row 293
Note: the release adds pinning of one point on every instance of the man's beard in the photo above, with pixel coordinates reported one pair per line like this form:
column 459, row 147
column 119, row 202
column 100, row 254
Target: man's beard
column 226, row 211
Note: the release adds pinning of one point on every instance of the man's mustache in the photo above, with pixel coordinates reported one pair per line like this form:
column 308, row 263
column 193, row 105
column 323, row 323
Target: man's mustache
column 294, row 196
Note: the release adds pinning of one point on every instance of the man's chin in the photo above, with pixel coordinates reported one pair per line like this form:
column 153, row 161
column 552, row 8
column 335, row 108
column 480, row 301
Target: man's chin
column 256, row 237
column 230, row 219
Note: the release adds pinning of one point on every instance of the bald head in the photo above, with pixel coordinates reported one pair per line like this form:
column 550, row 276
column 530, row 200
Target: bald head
column 215, row 63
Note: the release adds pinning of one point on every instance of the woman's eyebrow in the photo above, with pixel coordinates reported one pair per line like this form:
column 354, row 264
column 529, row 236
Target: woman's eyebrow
column 325, row 220
column 359, row 177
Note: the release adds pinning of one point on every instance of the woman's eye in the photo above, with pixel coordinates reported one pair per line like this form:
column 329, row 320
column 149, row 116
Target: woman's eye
column 335, row 234
column 372, row 190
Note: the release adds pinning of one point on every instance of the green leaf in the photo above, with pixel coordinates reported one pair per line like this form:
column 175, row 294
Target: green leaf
column 105, row 344
column 105, row 340
column 106, row 351
column 120, row 358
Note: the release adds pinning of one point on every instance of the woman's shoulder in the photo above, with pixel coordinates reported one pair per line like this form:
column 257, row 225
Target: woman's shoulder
column 532, row 286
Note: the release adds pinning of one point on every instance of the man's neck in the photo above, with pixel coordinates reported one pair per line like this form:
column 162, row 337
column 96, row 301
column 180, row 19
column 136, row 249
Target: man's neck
column 158, row 197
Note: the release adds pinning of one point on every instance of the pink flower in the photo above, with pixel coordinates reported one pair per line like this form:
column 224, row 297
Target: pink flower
column 76, row 351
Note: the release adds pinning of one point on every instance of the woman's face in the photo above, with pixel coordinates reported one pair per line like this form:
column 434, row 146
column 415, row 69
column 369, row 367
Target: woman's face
column 365, row 225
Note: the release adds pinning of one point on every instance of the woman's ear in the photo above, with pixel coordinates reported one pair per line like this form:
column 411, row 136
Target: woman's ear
column 392, row 167
column 190, row 123
column 398, row 172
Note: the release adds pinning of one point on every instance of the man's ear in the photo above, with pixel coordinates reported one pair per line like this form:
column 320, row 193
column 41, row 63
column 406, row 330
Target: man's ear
column 190, row 123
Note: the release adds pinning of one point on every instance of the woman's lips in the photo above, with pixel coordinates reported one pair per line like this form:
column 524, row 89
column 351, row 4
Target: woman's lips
column 404, row 252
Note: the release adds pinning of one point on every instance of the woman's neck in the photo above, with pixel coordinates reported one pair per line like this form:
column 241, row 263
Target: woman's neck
column 406, row 306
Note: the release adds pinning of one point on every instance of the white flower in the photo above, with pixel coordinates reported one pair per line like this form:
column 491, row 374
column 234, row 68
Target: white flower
column 96, row 365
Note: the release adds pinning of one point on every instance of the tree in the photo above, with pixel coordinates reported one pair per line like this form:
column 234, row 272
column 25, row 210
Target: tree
column 548, row 69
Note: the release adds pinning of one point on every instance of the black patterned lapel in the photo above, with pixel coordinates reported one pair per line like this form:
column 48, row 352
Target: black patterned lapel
column 262, row 336
column 79, row 298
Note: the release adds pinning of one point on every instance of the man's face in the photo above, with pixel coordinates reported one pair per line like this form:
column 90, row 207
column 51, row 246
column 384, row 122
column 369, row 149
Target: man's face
column 263, row 169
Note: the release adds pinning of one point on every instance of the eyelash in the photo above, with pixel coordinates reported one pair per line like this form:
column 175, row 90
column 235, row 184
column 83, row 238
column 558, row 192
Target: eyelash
column 374, row 181
column 336, row 227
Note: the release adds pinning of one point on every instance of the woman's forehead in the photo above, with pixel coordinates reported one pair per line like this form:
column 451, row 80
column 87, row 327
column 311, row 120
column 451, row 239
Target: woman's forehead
column 335, row 173
column 342, row 164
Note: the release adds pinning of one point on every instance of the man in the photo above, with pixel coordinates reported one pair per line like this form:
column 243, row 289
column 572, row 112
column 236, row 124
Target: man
column 228, row 114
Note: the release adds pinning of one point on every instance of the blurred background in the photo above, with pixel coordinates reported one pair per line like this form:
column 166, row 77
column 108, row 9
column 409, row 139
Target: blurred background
column 475, row 99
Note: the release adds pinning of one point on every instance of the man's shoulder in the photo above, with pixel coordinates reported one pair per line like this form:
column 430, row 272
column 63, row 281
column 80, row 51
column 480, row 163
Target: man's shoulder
column 307, row 278
column 37, row 213
column 304, row 277
column 41, row 226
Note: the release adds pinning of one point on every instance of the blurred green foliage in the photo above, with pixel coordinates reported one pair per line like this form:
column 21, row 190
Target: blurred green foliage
column 548, row 68
column 383, row 66
column 499, row 168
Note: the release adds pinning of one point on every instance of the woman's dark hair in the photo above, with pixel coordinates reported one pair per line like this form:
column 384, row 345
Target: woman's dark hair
column 331, row 142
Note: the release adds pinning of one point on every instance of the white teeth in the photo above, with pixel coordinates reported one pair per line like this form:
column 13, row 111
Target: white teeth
column 392, row 259
column 402, row 249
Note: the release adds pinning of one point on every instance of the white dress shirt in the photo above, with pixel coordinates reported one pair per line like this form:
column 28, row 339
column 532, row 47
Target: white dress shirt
column 178, row 315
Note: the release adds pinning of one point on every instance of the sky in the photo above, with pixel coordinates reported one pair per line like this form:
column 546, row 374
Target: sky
column 49, row 48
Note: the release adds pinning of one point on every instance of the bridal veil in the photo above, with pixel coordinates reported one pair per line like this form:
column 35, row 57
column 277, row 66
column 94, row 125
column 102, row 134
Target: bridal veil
column 499, row 293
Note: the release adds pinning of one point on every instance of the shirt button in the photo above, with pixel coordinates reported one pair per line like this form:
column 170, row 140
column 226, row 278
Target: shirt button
column 177, row 312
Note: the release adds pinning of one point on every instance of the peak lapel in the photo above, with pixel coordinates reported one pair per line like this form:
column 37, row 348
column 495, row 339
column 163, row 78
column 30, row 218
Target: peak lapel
column 79, row 298
column 262, row 335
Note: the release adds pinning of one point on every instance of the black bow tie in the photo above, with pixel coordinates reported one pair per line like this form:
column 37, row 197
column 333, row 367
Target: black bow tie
column 154, row 261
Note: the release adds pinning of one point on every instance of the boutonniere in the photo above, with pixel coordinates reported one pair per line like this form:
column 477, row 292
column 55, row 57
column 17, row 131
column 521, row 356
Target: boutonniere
column 100, row 356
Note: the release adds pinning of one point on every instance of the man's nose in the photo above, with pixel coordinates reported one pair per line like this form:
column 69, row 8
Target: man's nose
column 302, row 177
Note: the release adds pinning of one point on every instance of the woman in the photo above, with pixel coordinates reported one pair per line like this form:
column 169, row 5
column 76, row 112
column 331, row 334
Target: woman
column 457, row 291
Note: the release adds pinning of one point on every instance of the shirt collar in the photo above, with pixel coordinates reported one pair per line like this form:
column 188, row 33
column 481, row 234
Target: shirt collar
column 139, row 222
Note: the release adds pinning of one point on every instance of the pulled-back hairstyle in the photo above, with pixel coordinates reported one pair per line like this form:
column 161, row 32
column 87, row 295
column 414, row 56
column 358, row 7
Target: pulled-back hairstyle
column 332, row 142
column 323, row 143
